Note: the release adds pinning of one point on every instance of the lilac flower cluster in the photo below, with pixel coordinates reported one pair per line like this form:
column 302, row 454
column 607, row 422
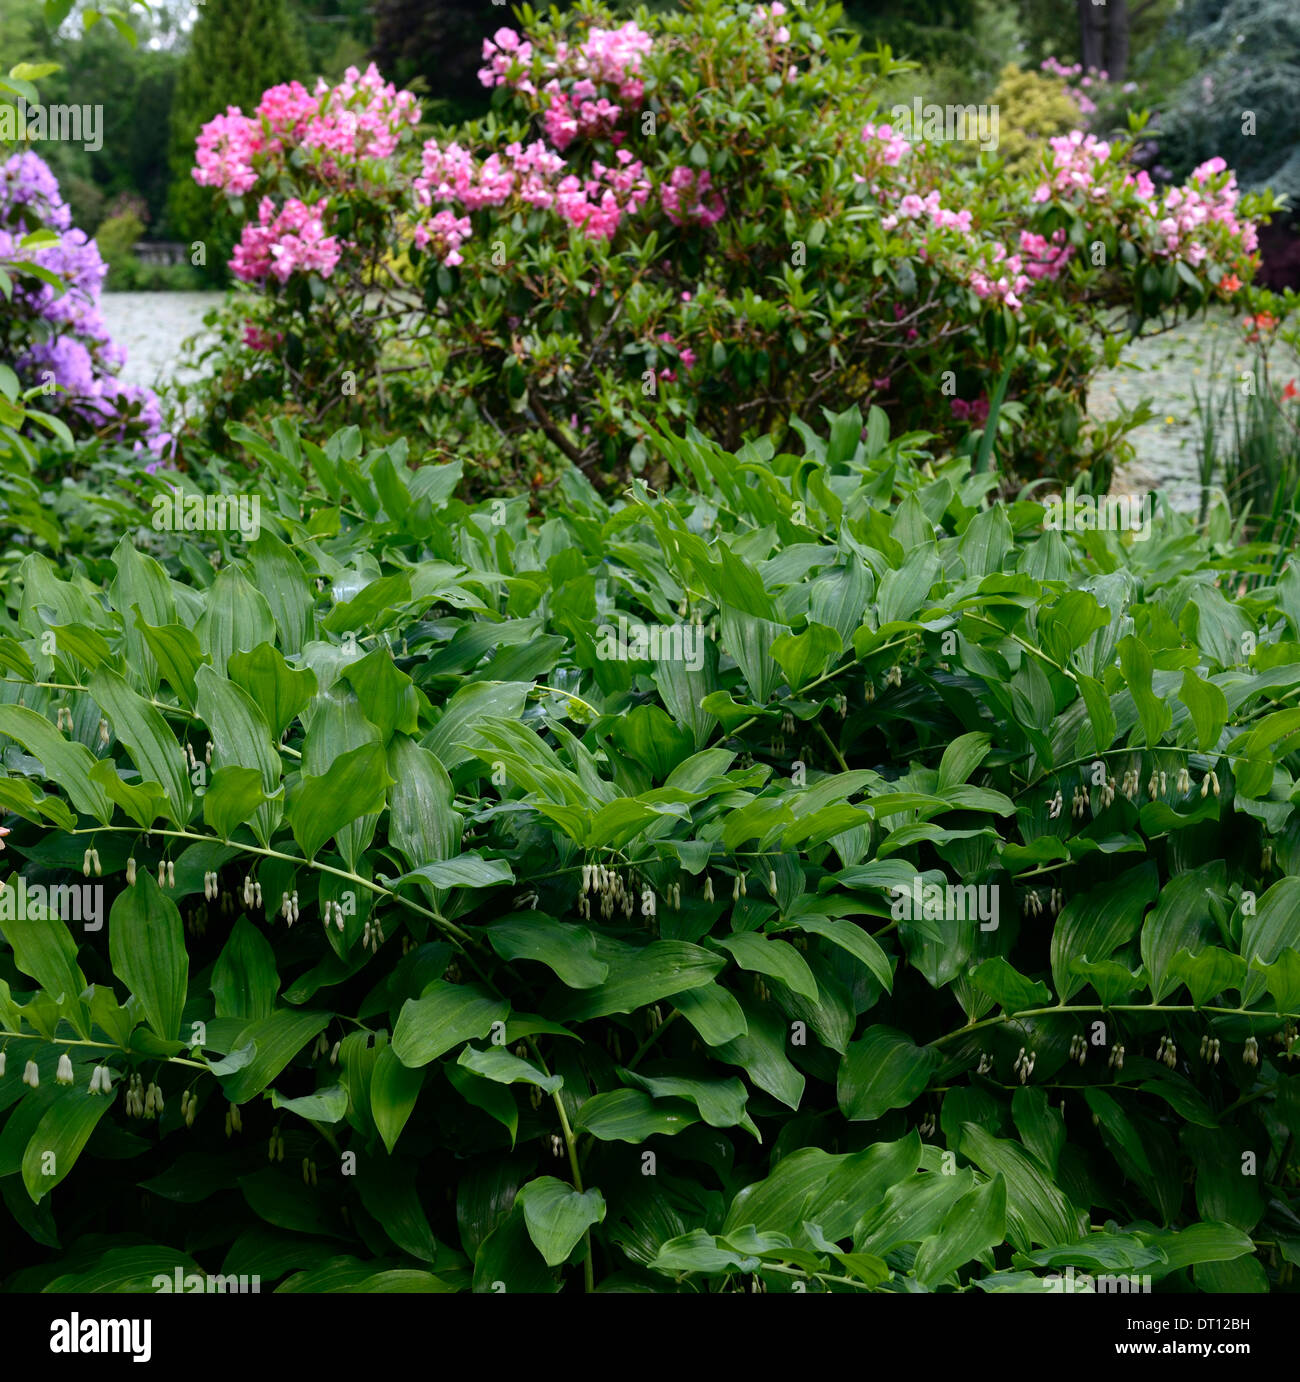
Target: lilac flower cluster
column 57, row 337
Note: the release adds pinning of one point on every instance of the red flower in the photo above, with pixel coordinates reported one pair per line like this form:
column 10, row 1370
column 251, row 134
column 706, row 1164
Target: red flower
column 1291, row 391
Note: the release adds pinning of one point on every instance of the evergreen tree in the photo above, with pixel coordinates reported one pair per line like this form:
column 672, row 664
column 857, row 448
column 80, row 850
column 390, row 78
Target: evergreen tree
column 1241, row 103
column 237, row 49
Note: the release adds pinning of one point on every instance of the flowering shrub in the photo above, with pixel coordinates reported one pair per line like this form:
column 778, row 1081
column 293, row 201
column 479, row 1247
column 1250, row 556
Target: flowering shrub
column 697, row 215
column 51, row 332
column 815, row 877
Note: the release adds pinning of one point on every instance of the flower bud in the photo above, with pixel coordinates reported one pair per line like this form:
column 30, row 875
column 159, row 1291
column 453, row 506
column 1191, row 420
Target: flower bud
column 130, row 873
column 63, row 1075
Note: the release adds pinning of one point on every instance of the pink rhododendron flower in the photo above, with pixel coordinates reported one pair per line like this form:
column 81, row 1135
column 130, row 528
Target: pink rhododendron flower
column 282, row 243
column 689, row 198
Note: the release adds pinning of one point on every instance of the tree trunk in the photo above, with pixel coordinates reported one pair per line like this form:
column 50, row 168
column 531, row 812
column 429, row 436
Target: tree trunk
column 1092, row 28
column 1116, row 64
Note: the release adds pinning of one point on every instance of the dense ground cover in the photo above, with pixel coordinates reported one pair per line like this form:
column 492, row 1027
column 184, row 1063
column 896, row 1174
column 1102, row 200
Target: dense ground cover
column 573, row 900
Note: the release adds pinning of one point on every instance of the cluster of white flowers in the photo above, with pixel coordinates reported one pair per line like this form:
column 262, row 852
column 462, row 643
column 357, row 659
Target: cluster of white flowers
column 1250, row 1056
column 252, row 892
column 189, row 1107
column 1210, row 1049
column 1167, row 1052
column 1024, row 1065
column 1078, row 1049
column 91, row 861
column 372, row 937
column 166, row 873
column 101, row 1080
column 234, row 1123
column 142, row 1102
column 289, row 907
column 609, row 887
column 275, row 1148
column 1116, row 1061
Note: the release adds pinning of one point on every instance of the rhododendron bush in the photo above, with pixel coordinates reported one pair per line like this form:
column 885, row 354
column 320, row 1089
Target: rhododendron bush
column 698, row 215
column 56, row 354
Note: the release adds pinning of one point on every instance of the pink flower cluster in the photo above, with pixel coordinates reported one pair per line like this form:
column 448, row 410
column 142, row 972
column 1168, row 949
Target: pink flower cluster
column 1010, row 282
column 501, row 53
column 1076, row 160
column 360, row 118
column 446, row 233
column 573, row 104
column 1185, row 213
column 976, row 411
column 912, row 207
column 598, row 204
column 1043, row 258
column 689, row 198
column 453, row 174
column 768, row 17
column 889, row 147
column 285, row 242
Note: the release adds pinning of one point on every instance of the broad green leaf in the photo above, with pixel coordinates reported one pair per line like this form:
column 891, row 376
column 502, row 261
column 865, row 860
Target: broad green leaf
column 568, row 950
column 146, row 942
column 59, row 1137
column 557, row 1216
column 445, row 1015
column 884, row 1069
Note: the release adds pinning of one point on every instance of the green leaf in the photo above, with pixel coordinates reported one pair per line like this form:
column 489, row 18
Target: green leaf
column 233, row 797
column 504, row 1067
column 658, row 970
column 884, row 1069
column 146, row 943
column 1093, row 924
column 1037, row 1210
column 152, row 745
column 721, row 1102
column 235, row 618
column 1007, row 986
column 445, row 1015
column 281, row 692
column 244, row 978
column 774, row 958
column 241, row 738
column 1182, row 919
column 1136, row 663
column 354, row 785
column 557, row 1216
column 976, row 1223
column 66, row 763
column 568, row 950
column 631, row 1115
column 1208, row 707
column 832, row 1191
column 56, row 1144
column 1268, row 932
column 275, row 1040
column 325, row 1106
column 394, row 1089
